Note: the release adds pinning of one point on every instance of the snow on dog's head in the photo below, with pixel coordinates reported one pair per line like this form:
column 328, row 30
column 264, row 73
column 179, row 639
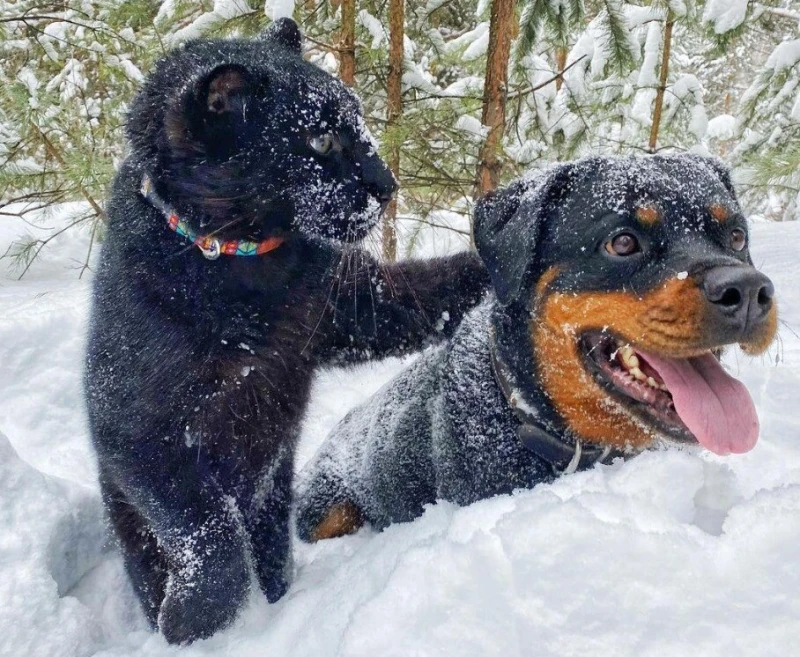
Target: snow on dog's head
column 627, row 277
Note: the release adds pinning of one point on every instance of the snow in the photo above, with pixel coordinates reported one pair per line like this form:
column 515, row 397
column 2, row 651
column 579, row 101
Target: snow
column 471, row 126
column 725, row 15
column 374, row 27
column 478, row 47
column 131, row 70
column 223, row 10
column 165, row 11
column 688, row 91
column 672, row 553
column 652, row 53
column 468, row 40
column 785, row 55
column 722, row 127
column 276, row 9
column 27, row 77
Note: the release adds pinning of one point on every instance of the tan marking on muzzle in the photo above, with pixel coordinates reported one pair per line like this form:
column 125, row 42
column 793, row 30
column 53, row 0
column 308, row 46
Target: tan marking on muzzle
column 668, row 320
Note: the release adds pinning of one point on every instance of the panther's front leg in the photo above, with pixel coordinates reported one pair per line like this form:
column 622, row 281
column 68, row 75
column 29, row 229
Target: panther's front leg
column 198, row 533
column 384, row 310
column 267, row 522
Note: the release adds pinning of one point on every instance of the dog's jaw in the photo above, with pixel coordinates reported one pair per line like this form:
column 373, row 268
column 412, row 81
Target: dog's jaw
column 587, row 345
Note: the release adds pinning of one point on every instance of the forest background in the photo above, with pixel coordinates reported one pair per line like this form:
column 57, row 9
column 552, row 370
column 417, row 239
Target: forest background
column 463, row 95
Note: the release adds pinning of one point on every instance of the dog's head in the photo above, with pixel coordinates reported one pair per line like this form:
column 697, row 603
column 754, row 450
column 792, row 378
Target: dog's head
column 626, row 277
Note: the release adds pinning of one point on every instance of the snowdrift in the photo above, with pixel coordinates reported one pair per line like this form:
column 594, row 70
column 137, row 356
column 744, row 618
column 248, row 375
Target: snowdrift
column 675, row 552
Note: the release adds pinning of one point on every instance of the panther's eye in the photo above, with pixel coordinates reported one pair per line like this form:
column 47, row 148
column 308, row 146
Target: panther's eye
column 624, row 244
column 737, row 239
column 321, row 143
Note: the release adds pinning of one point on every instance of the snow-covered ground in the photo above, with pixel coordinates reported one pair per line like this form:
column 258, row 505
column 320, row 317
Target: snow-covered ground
column 671, row 553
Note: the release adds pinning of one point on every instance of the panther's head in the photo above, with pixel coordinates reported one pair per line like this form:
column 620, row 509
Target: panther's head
column 246, row 139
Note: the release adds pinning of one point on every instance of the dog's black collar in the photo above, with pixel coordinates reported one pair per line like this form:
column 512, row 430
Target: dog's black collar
column 563, row 457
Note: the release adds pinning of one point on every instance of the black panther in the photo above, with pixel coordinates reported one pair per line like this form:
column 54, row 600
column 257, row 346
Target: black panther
column 229, row 273
column 615, row 282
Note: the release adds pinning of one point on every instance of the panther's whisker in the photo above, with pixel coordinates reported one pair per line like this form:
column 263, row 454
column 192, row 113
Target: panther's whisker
column 233, row 222
column 790, row 329
column 325, row 307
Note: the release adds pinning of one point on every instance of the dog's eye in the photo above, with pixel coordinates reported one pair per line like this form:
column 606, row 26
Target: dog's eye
column 321, row 143
column 624, row 244
column 738, row 239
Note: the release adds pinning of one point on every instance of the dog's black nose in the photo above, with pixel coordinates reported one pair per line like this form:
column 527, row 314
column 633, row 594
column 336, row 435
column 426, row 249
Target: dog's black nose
column 742, row 296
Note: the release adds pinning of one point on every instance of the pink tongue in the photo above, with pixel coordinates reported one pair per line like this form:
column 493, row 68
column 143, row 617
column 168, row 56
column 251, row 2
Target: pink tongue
column 715, row 407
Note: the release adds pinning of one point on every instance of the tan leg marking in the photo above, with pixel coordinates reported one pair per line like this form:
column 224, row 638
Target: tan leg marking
column 341, row 519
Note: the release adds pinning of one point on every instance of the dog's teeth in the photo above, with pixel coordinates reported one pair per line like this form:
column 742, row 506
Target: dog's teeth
column 638, row 373
column 652, row 382
column 628, row 357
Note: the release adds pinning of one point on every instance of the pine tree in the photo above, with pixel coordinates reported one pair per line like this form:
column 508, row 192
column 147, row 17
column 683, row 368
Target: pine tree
column 493, row 115
column 394, row 111
column 767, row 127
column 347, row 43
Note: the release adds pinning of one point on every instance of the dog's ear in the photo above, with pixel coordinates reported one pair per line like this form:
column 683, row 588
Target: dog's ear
column 285, row 32
column 507, row 224
column 504, row 240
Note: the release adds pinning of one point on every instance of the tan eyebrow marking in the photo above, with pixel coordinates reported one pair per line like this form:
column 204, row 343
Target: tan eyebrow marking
column 648, row 215
column 719, row 212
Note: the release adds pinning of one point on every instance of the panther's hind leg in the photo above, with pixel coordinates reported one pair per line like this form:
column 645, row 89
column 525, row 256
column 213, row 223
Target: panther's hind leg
column 326, row 509
column 143, row 558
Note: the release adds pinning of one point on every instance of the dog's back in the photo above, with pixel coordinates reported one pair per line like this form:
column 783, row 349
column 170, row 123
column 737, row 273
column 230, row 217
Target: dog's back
column 440, row 430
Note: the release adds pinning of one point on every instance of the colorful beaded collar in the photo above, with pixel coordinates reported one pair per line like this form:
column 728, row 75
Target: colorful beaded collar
column 211, row 247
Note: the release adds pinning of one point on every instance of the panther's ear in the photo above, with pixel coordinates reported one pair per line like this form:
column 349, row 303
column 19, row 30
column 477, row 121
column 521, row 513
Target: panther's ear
column 284, row 31
column 507, row 226
column 199, row 119
column 222, row 90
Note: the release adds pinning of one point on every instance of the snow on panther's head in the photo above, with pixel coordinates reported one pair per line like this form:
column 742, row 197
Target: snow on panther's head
column 246, row 134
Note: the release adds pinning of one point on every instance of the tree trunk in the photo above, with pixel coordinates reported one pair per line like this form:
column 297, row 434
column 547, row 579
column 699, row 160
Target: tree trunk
column 561, row 62
column 347, row 43
column 662, row 84
column 394, row 110
column 501, row 27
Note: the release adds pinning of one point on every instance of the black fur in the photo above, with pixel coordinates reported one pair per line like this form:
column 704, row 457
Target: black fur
column 443, row 429
column 198, row 372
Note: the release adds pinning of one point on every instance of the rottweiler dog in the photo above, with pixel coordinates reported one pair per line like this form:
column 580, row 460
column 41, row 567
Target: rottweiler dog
column 616, row 284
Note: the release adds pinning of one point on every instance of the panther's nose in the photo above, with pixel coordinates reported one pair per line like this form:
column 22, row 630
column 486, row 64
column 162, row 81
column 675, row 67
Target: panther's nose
column 741, row 296
column 379, row 181
column 384, row 198
column 383, row 191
